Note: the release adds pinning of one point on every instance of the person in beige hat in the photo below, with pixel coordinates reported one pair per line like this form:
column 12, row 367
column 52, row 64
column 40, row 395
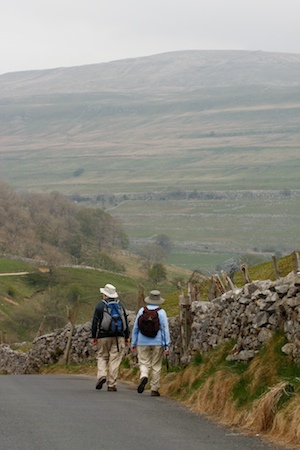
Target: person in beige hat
column 110, row 332
column 151, row 339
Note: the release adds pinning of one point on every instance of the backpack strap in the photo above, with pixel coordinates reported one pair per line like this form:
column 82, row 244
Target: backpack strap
column 107, row 304
column 157, row 309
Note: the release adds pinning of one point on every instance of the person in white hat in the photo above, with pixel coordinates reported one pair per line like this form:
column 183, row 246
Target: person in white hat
column 110, row 332
column 151, row 346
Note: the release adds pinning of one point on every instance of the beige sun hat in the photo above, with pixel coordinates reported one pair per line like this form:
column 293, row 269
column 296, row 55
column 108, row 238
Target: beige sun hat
column 109, row 290
column 154, row 298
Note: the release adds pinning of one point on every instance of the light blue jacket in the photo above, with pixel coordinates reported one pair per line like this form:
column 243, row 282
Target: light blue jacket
column 163, row 336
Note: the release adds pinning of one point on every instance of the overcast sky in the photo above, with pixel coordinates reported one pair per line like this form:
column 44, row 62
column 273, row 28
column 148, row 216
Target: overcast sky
column 42, row 34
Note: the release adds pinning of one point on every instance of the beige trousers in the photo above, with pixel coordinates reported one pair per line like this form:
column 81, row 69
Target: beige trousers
column 109, row 359
column 150, row 360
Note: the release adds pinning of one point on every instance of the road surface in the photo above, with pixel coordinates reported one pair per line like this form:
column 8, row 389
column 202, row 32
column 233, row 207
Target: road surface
column 63, row 412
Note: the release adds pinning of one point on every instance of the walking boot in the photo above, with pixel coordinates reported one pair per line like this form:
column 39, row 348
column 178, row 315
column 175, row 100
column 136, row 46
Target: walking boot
column 142, row 385
column 100, row 382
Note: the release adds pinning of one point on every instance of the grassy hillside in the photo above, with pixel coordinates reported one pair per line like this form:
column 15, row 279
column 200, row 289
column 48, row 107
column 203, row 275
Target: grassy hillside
column 200, row 120
column 35, row 301
column 204, row 120
column 125, row 144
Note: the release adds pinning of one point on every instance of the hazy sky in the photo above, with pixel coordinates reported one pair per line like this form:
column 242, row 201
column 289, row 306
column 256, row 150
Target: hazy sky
column 41, row 34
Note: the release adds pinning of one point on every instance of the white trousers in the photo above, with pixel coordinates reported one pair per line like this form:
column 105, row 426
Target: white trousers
column 109, row 359
column 150, row 359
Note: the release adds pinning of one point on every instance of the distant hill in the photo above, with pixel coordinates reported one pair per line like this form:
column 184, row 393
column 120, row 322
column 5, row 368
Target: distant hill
column 177, row 71
column 204, row 119
column 190, row 120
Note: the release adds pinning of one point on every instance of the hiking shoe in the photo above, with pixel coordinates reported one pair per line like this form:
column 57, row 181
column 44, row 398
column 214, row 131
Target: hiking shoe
column 155, row 394
column 100, row 382
column 142, row 385
column 112, row 389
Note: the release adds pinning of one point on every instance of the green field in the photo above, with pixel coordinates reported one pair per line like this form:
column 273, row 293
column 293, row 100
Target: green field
column 196, row 260
column 206, row 232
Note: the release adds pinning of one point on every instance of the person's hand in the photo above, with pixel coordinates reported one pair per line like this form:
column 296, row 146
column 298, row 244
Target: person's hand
column 166, row 352
column 94, row 341
column 133, row 349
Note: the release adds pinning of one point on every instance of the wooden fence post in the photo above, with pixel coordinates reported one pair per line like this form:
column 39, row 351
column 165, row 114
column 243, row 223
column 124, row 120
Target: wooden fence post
column 188, row 317
column 295, row 255
column 141, row 298
column 181, row 322
column 71, row 317
column 212, row 290
column 40, row 331
column 195, row 293
column 220, row 286
column 244, row 269
column 229, row 286
column 184, row 320
column 275, row 262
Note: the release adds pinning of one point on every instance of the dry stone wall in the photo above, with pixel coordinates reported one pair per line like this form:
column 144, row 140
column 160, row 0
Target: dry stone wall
column 50, row 349
column 249, row 316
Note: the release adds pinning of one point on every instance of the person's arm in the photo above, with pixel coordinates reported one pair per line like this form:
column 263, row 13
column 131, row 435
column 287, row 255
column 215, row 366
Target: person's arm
column 97, row 318
column 165, row 332
column 135, row 333
column 127, row 330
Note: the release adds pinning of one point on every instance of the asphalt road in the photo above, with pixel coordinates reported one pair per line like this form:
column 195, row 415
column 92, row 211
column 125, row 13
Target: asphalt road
column 62, row 412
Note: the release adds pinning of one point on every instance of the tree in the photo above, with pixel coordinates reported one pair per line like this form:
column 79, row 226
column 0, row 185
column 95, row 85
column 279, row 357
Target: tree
column 73, row 298
column 54, row 228
column 157, row 273
column 152, row 254
column 162, row 240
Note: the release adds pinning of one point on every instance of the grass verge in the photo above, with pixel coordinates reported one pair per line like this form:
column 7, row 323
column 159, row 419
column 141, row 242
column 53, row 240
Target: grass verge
column 260, row 397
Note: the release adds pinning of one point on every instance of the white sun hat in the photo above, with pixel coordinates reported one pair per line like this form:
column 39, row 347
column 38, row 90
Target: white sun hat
column 109, row 290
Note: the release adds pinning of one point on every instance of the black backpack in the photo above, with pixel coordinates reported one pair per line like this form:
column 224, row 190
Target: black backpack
column 148, row 322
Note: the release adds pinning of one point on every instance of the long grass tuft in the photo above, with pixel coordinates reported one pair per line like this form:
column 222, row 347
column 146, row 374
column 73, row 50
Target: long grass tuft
column 262, row 416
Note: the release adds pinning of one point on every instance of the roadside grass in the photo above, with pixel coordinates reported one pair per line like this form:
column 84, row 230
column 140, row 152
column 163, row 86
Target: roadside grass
column 88, row 368
column 261, row 396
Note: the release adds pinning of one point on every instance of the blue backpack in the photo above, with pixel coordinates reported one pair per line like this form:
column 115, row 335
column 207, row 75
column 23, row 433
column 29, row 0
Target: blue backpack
column 113, row 317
